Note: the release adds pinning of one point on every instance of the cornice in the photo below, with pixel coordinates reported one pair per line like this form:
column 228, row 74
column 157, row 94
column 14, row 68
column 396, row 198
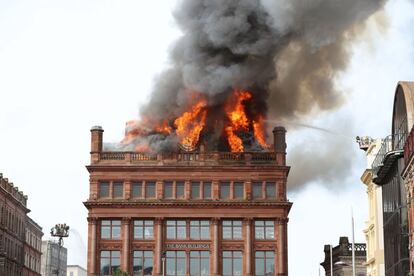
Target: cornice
column 201, row 168
column 188, row 204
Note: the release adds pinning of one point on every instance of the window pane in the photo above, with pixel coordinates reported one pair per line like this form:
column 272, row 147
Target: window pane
column 238, row 190
column 207, row 190
column 237, row 232
column 181, row 232
column 150, row 189
column 138, row 232
column 168, row 190
column 270, row 190
column 195, row 232
column 179, row 187
column 149, row 232
column 104, row 189
column 205, row 233
column 136, row 190
column 224, row 190
column 226, row 232
column 237, row 267
column 260, row 267
column 171, row 232
column 257, row 190
column 116, row 232
column 105, row 232
column 118, row 189
column 227, row 264
column 270, row 232
column 259, row 232
column 195, row 190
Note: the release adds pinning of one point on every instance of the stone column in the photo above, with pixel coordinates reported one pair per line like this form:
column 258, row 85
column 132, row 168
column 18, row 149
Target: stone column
column 215, row 255
column 158, row 247
column 282, row 248
column 248, row 246
column 125, row 245
column 92, row 224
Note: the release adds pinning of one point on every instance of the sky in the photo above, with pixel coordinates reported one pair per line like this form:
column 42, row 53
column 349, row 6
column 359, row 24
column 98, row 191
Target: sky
column 68, row 65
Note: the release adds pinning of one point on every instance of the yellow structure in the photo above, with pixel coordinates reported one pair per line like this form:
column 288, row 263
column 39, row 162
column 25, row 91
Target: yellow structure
column 374, row 225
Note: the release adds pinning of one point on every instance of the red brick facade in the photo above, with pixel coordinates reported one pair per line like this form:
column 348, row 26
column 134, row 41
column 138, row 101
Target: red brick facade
column 196, row 211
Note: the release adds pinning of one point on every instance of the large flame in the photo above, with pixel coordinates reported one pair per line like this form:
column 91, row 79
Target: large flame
column 190, row 124
column 238, row 120
column 259, row 131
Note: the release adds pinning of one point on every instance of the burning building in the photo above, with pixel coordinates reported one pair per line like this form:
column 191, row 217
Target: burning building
column 190, row 211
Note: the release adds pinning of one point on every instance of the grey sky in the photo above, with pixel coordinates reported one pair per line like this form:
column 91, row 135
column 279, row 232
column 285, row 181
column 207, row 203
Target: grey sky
column 68, row 65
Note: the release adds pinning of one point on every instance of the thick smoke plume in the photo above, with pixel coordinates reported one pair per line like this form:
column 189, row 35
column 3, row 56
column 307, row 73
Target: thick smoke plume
column 287, row 53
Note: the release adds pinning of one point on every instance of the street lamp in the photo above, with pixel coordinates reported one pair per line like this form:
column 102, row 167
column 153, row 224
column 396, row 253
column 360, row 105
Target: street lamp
column 61, row 230
column 163, row 258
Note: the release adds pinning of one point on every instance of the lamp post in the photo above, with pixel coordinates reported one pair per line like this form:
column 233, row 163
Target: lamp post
column 163, row 258
column 61, row 231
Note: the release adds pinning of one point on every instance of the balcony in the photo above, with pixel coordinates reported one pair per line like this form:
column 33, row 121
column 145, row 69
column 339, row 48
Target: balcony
column 391, row 150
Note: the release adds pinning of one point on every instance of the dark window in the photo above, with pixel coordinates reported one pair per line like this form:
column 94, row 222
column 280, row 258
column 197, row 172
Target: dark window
column 264, row 229
column 224, row 190
column 270, row 190
column 200, row 230
column 264, row 263
column 168, row 189
column 103, row 189
column 110, row 229
column 238, row 190
column 110, row 262
column 137, row 190
column 232, row 263
column 176, row 229
column 257, row 190
column 150, row 189
column 195, row 190
column 199, row 263
column 179, row 187
column 232, row 229
column 143, row 263
column 207, row 190
column 118, row 189
column 143, row 229
column 176, row 263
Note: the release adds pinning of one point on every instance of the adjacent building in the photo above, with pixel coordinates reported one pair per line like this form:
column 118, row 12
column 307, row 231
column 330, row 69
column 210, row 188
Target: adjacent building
column 408, row 175
column 54, row 259
column 32, row 249
column 340, row 258
column 388, row 168
column 75, row 270
column 188, row 213
column 374, row 225
column 19, row 234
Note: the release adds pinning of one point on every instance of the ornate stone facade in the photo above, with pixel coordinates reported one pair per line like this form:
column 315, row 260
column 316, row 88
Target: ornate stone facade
column 208, row 213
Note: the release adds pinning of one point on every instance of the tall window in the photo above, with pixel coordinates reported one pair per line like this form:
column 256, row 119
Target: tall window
column 232, row 229
column 264, row 263
column 118, row 189
column 143, row 229
column 176, row 229
column 168, row 189
column 270, row 190
column 150, row 189
column 264, row 229
column 200, row 230
column 110, row 229
column 224, row 190
column 238, row 190
column 110, row 262
column 142, row 263
column 176, row 263
column 103, row 189
column 179, row 189
column 207, row 190
column 232, row 263
column 199, row 263
column 257, row 190
column 195, row 190
column 137, row 189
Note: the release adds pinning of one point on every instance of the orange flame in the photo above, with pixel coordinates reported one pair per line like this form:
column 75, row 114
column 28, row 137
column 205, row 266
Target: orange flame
column 235, row 110
column 190, row 124
column 259, row 133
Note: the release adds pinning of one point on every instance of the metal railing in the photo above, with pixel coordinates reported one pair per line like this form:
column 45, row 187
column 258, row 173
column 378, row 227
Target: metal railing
column 391, row 144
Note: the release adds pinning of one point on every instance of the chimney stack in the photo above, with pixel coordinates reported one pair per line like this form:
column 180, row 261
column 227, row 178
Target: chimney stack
column 96, row 143
column 279, row 142
column 96, row 139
